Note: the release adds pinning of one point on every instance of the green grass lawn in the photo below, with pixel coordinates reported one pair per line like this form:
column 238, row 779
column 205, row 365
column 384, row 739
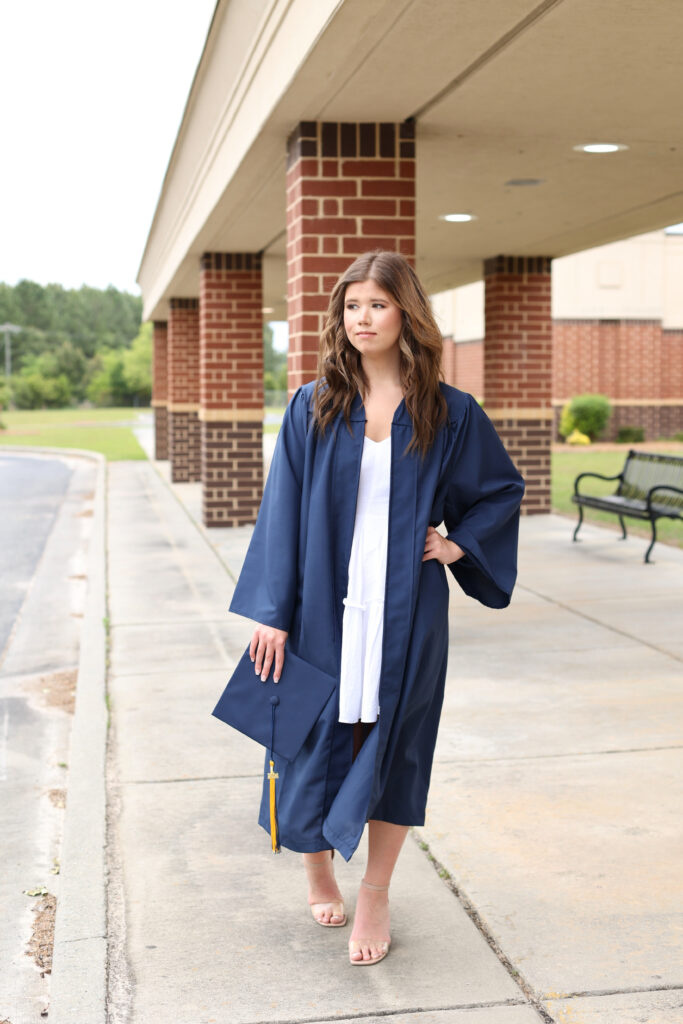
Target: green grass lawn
column 98, row 430
column 48, row 417
column 567, row 464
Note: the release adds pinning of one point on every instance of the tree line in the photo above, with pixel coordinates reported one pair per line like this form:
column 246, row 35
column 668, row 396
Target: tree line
column 87, row 345
column 74, row 345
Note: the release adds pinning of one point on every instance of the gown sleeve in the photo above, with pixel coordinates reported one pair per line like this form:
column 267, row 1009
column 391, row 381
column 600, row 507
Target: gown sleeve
column 266, row 590
column 481, row 511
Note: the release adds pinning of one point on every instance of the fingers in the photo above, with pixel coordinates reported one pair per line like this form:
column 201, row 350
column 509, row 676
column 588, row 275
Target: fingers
column 279, row 662
column 436, row 546
column 432, row 544
column 268, row 646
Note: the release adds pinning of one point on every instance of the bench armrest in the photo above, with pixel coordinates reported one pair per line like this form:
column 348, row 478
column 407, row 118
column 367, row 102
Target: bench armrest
column 599, row 476
column 660, row 487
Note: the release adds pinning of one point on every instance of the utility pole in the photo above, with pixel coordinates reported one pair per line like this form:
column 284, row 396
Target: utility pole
column 8, row 330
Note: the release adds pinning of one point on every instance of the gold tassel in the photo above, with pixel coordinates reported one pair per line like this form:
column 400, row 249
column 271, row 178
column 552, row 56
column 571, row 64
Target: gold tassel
column 274, row 832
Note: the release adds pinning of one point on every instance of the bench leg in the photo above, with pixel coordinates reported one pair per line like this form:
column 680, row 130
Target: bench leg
column 578, row 525
column 623, row 528
column 653, row 523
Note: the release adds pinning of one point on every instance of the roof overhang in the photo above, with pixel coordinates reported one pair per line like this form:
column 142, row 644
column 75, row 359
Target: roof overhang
column 499, row 91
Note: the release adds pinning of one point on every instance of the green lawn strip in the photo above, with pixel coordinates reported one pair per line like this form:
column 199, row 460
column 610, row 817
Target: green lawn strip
column 116, row 443
column 16, row 419
column 566, row 466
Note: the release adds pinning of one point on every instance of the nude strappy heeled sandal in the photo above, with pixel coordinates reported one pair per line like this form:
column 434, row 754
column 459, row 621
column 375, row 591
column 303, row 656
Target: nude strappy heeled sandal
column 384, row 945
column 327, row 903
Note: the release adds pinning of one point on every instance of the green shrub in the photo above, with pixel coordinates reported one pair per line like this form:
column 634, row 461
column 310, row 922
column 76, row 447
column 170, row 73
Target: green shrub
column 678, row 436
column 587, row 413
column 31, row 390
column 567, row 425
column 630, row 434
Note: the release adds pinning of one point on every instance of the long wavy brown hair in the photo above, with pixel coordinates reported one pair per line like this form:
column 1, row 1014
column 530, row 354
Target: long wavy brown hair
column 340, row 369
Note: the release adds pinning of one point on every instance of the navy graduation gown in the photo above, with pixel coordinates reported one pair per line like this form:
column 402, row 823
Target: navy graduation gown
column 295, row 577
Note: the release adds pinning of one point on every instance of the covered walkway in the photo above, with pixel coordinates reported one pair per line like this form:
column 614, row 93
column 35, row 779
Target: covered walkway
column 554, row 813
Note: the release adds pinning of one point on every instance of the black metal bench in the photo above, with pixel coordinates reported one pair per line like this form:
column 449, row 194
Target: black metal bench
column 650, row 487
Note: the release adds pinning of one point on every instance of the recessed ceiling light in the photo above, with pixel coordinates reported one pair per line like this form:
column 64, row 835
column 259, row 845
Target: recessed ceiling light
column 525, row 181
column 600, row 147
column 458, row 218
column 267, row 309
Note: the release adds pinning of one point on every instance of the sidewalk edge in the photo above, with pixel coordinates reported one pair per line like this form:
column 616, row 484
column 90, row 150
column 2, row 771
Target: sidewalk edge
column 79, row 971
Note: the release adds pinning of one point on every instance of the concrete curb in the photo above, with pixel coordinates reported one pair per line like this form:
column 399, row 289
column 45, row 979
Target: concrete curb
column 78, row 983
column 67, row 453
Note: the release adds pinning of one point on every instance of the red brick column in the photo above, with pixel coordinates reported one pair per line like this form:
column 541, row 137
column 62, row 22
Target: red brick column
column 518, row 350
column 231, row 387
column 160, row 389
column 350, row 188
column 183, row 390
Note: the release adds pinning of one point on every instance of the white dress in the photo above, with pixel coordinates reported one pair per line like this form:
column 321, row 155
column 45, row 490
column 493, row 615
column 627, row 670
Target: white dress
column 363, row 621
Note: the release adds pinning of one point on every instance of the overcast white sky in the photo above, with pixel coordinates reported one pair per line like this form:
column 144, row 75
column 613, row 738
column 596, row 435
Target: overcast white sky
column 92, row 96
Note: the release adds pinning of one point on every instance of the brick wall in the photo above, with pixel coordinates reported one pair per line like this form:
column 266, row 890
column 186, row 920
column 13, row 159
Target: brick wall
column 184, row 442
column 448, row 360
column 636, row 363
column 160, row 389
column 463, row 365
column 625, row 359
column 469, row 367
column 231, row 387
column 350, row 188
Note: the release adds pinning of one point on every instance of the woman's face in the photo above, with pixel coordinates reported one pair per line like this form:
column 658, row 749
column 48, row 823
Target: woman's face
column 372, row 319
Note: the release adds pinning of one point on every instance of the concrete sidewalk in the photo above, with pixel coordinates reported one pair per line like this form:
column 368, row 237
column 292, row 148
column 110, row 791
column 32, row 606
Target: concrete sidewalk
column 555, row 808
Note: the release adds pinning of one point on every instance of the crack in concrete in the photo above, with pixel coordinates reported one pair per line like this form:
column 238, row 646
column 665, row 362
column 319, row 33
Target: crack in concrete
column 369, row 1014
column 543, row 757
column 599, row 622
column 617, row 991
column 195, row 778
column 532, row 999
column 154, row 623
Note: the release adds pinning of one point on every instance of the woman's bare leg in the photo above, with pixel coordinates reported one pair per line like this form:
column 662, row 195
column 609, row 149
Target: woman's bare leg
column 323, row 893
column 371, row 923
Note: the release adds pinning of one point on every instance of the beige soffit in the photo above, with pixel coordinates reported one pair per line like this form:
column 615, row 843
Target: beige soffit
column 499, row 91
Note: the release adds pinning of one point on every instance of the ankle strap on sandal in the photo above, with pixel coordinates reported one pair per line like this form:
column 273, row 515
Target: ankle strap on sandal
column 375, row 888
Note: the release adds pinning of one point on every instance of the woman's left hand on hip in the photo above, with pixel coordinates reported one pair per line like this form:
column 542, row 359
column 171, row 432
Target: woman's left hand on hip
column 439, row 547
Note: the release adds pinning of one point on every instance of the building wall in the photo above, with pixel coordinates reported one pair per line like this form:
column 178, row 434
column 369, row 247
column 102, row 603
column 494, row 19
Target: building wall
column 635, row 279
column 638, row 364
column 617, row 330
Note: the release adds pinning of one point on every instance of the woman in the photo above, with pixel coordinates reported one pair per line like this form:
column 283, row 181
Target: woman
column 345, row 564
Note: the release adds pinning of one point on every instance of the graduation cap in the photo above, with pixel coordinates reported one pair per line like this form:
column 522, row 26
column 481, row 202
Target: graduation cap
column 279, row 715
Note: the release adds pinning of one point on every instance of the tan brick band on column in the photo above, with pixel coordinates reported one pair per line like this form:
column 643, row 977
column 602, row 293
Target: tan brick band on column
column 231, row 387
column 184, row 437
column 518, row 351
column 160, row 388
column 350, row 188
